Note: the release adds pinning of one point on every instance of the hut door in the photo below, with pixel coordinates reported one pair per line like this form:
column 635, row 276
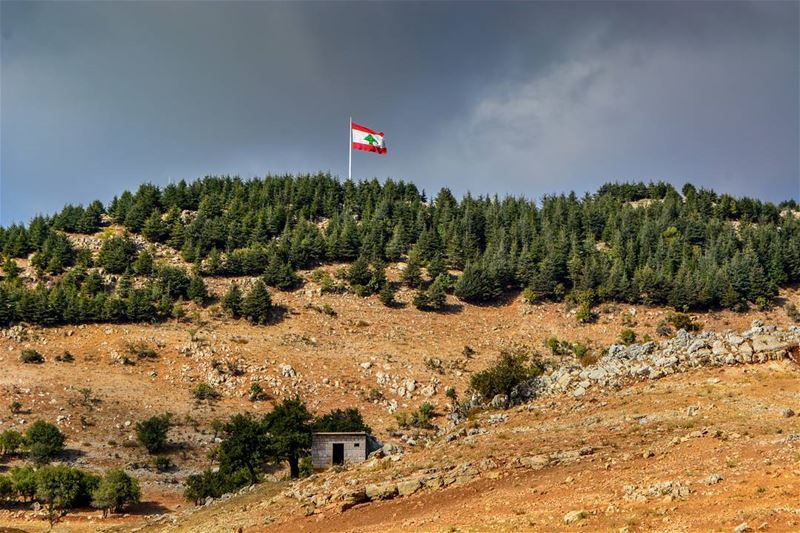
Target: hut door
column 338, row 453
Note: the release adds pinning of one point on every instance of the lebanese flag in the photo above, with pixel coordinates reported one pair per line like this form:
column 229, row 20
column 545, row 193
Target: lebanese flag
column 366, row 139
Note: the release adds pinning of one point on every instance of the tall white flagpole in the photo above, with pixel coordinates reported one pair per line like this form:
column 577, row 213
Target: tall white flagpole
column 350, row 152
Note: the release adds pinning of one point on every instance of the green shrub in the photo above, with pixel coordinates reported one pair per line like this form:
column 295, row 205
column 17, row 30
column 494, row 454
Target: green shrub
column 66, row 357
column 31, row 356
column 580, row 350
column 117, row 254
column 204, row 391
column 421, row 418
column 792, row 312
column 627, row 336
column 663, row 329
column 682, row 321
column 163, row 463
column 6, row 488
column 585, row 314
column 349, row 419
column 114, row 491
column 10, row 442
column 306, row 466
column 256, row 393
column 386, row 295
column 557, row 347
column 44, row 441
column 24, row 480
column 507, row 372
column 15, row 407
column 152, row 433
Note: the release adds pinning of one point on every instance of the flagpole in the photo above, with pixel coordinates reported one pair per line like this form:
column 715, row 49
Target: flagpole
column 350, row 152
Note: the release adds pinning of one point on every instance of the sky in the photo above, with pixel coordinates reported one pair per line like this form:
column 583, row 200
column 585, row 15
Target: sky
column 523, row 98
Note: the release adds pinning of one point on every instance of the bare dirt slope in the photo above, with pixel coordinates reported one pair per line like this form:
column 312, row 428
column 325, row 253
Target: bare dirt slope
column 366, row 356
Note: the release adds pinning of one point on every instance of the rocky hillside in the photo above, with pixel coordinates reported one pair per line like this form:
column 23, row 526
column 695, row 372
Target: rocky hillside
column 648, row 438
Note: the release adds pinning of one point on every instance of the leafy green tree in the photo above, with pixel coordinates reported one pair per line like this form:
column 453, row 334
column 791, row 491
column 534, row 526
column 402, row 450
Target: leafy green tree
column 246, row 445
column 10, row 441
column 144, row 263
column 289, row 427
column 257, row 305
column 412, row 275
column 61, row 488
column 349, row 419
column 232, row 301
column 115, row 490
column 6, row 488
column 387, row 295
column 44, row 441
column 152, row 433
column 197, row 290
column 117, row 254
column 24, row 480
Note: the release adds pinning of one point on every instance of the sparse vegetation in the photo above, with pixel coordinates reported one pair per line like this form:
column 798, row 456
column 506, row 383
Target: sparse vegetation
column 420, row 419
column 792, row 312
column 31, row 356
column 627, row 336
column 682, row 321
column 204, row 391
column 508, row 371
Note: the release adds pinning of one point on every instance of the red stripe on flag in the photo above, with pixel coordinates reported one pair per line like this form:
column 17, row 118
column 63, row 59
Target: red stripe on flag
column 369, row 148
column 365, row 129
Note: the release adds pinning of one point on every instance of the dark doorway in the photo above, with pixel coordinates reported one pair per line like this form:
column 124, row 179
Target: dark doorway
column 338, row 453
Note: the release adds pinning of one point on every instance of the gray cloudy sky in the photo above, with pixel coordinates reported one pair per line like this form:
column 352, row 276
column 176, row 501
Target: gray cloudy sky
column 523, row 98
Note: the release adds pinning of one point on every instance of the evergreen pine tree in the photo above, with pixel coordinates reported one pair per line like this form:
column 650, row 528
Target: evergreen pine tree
column 257, row 305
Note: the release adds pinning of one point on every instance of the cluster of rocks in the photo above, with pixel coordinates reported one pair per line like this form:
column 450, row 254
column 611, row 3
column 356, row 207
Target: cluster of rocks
column 313, row 496
column 652, row 360
column 668, row 490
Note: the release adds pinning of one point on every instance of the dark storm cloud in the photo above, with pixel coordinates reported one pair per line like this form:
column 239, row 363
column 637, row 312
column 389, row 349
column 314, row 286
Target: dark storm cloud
column 523, row 98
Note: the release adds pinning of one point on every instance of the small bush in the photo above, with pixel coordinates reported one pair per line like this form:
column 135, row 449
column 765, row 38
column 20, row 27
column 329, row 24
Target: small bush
column 44, row 441
column 15, row 406
column 450, row 393
column 66, row 357
column 31, row 356
column 10, row 442
column 349, row 419
column 585, row 314
column 682, row 321
column 256, row 393
column 152, row 433
column 792, row 312
column 421, row 418
column 204, row 391
column 557, row 347
column 140, row 350
column 306, row 466
column 528, row 295
column 163, row 463
column 587, row 359
column 663, row 329
column 580, row 350
column 627, row 336
column 508, row 371
column 386, row 295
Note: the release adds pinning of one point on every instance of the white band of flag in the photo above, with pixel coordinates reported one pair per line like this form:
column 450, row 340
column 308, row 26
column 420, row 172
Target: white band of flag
column 366, row 139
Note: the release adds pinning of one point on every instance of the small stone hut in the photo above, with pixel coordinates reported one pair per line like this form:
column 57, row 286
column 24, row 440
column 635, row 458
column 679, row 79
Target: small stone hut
column 337, row 448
